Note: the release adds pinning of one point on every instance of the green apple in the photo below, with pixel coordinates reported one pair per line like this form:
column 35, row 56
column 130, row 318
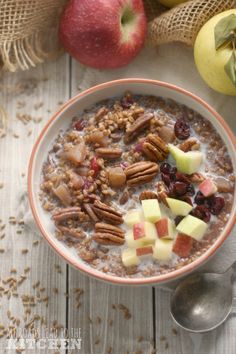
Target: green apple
column 133, row 216
column 178, row 207
column 193, row 227
column 162, row 250
column 151, row 210
column 171, row 3
column 129, row 257
column 186, row 162
column 211, row 62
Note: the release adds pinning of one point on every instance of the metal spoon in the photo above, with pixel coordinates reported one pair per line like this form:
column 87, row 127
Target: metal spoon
column 202, row 302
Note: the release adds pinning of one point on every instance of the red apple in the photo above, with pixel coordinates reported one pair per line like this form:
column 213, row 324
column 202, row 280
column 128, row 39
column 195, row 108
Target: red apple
column 144, row 251
column 183, row 245
column 164, row 228
column 138, row 231
column 207, row 187
column 103, row 34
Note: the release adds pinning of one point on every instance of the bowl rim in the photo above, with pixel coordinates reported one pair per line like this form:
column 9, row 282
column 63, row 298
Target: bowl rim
column 162, row 278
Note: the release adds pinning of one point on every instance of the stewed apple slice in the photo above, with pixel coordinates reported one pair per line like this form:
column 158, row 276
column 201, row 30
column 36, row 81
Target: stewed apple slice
column 207, row 187
column 178, row 207
column 165, row 228
column 133, row 216
column 186, row 162
column 193, row 227
column 183, row 245
column 129, row 257
column 162, row 250
column 151, row 210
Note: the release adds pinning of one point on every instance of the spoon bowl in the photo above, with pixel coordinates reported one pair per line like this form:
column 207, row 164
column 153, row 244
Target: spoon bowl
column 202, row 302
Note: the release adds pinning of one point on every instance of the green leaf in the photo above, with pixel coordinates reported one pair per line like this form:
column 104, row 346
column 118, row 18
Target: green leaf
column 225, row 30
column 230, row 68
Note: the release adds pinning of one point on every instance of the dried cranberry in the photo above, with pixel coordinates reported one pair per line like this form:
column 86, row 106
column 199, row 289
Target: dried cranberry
column 190, row 190
column 139, row 147
column 187, row 200
column 94, row 166
column 166, row 179
column 182, row 129
column 127, row 102
column 178, row 219
column 165, row 168
column 217, row 204
column 87, row 184
column 199, row 198
column 201, row 212
column 80, row 124
column 180, row 188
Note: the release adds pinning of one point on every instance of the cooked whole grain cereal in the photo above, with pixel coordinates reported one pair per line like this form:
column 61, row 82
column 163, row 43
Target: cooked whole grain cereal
column 138, row 185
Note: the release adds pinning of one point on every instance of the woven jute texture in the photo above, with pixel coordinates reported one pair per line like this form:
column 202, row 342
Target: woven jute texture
column 28, row 32
column 183, row 22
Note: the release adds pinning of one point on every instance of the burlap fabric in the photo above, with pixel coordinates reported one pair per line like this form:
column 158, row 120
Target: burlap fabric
column 28, row 28
column 28, row 32
column 183, row 22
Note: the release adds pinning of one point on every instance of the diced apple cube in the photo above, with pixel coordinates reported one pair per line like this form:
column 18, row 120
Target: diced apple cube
column 133, row 217
column 129, row 257
column 129, row 237
column 207, row 187
column 150, row 233
column 144, row 251
column 183, row 245
column 151, row 210
column 193, row 227
column 178, row 207
column 138, row 230
column 165, row 228
column 186, row 162
column 162, row 250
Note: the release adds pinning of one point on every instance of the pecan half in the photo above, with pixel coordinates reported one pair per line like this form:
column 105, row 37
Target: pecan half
column 162, row 192
column 109, row 153
column 108, row 239
column 147, row 195
column 141, row 172
column 137, row 127
column 223, row 185
column 107, row 213
column 67, row 213
column 104, row 227
column 107, row 234
column 190, row 145
column 155, row 148
column 101, row 113
column 196, row 178
column 90, row 212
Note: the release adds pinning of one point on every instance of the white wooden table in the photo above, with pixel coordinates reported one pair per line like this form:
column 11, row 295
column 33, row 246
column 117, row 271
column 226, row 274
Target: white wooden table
column 60, row 294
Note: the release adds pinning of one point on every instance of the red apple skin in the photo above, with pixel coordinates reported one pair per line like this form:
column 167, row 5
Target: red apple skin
column 183, row 245
column 207, row 187
column 90, row 31
column 138, row 231
column 144, row 251
column 162, row 228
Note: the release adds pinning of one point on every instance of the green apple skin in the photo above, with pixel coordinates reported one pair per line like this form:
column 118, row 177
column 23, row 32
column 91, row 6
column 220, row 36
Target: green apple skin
column 171, row 3
column 209, row 61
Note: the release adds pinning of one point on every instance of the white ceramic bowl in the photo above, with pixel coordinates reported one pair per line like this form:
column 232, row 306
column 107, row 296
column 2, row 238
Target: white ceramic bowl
column 62, row 119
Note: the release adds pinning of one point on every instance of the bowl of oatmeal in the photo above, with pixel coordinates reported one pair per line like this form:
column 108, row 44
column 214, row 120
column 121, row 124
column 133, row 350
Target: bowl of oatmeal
column 133, row 181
